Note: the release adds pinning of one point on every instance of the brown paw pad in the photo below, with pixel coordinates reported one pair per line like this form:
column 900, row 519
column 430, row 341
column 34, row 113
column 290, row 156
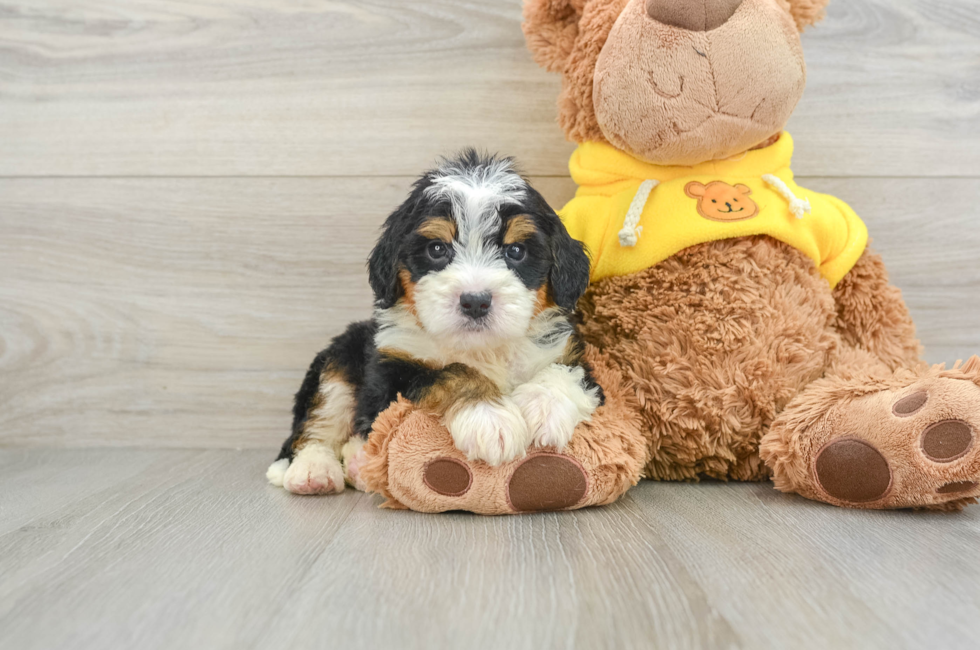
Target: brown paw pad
column 547, row 482
column 853, row 471
column 946, row 441
column 957, row 488
column 447, row 477
column 910, row 404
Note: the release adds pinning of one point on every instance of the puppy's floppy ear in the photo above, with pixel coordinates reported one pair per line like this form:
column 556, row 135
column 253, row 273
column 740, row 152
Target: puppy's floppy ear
column 806, row 12
column 383, row 264
column 569, row 269
column 385, row 260
column 550, row 28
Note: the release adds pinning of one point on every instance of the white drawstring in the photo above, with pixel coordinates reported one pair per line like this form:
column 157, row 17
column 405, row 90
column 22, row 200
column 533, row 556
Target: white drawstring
column 799, row 207
column 630, row 234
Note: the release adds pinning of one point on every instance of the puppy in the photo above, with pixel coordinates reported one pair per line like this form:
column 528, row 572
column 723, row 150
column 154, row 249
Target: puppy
column 475, row 279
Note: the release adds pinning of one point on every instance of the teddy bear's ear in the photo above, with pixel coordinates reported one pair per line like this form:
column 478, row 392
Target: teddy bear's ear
column 806, row 12
column 550, row 28
column 695, row 190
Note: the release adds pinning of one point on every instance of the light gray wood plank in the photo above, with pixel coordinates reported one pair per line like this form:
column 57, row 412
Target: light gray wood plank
column 267, row 87
column 793, row 573
column 590, row 579
column 37, row 482
column 197, row 551
column 893, row 89
column 183, row 312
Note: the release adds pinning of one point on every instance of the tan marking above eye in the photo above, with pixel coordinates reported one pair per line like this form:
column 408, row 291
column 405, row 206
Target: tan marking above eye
column 438, row 228
column 519, row 229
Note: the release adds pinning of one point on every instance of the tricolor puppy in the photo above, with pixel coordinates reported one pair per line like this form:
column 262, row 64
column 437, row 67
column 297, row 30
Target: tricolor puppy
column 475, row 279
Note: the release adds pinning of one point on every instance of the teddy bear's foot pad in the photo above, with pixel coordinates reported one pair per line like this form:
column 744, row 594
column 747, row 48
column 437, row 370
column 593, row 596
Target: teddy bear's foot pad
column 916, row 447
column 546, row 482
column 447, row 476
column 853, row 471
column 539, row 483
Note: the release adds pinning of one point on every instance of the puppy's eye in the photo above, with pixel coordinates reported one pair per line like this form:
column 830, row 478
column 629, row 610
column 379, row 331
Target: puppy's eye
column 437, row 250
column 515, row 252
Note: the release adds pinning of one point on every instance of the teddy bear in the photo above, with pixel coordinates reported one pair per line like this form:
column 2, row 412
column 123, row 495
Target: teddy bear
column 739, row 325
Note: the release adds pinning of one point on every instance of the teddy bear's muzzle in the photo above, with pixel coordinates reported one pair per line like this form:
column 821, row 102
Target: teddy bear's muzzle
column 693, row 15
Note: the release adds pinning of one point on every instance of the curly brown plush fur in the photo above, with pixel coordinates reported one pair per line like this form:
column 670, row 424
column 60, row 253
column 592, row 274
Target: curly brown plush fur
column 716, row 341
column 740, row 343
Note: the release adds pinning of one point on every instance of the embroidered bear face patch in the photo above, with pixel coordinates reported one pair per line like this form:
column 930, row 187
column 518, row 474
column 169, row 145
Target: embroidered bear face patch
column 719, row 201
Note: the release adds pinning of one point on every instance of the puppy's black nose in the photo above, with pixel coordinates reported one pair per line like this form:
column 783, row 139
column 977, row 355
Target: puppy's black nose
column 475, row 305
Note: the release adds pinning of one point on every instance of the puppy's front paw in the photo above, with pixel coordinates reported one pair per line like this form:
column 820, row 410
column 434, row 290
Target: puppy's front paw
column 493, row 432
column 554, row 403
column 314, row 470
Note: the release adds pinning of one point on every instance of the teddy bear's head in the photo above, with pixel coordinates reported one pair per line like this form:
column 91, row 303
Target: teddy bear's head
column 675, row 82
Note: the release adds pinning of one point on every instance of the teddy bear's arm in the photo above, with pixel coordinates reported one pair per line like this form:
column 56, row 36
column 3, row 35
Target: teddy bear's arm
column 872, row 315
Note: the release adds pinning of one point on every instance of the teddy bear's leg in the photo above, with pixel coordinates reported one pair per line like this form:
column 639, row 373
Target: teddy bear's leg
column 410, row 458
column 872, row 316
column 865, row 436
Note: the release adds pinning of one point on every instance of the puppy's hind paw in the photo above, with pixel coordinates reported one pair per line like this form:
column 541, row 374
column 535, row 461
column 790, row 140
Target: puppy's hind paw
column 354, row 456
column 314, row 470
column 277, row 472
column 494, row 432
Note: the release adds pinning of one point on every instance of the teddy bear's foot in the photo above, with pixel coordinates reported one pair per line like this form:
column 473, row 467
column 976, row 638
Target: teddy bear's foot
column 426, row 472
column 901, row 442
column 411, row 459
column 541, row 482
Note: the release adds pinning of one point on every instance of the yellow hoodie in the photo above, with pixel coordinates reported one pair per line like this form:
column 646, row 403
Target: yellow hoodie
column 633, row 215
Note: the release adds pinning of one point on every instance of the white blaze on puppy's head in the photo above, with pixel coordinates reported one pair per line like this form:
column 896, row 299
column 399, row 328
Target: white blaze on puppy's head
column 478, row 269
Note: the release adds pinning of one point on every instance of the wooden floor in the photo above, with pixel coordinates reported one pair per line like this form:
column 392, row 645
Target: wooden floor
column 188, row 192
column 186, row 549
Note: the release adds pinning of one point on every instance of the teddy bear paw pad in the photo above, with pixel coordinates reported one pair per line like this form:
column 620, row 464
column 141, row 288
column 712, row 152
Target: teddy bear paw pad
column 447, row 477
column 958, row 487
column 547, row 482
column 853, row 471
column 946, row 441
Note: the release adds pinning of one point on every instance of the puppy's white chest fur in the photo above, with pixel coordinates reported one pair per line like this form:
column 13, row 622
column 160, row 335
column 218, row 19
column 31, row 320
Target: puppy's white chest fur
column 511, row 365
column 507, row 364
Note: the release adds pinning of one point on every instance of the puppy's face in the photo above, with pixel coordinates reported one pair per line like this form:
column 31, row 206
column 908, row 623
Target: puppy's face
column 475, row 254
